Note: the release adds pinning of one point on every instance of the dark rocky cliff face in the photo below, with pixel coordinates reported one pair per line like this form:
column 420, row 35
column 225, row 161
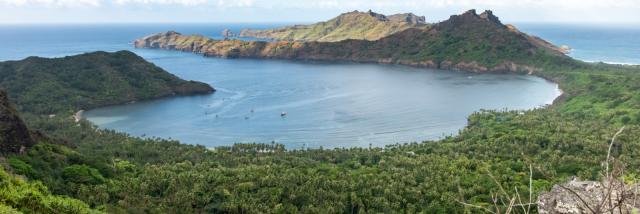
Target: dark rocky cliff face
column 15, row 137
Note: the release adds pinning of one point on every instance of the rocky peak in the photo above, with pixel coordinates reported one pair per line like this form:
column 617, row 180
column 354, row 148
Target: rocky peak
column 171, row 33
column 488, row 15
column 14, row 135
column 471, row 18
column 408, row 18
column 378, row 16
column 226, row 33
column 468, row 13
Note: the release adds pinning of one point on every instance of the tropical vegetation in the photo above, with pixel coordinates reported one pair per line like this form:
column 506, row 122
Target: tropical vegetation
column 117, row 173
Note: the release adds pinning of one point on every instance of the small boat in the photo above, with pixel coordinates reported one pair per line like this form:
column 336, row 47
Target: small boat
column 283, row 114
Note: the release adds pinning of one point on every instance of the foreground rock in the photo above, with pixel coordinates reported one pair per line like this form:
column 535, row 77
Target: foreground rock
column 468, row 42
column 575, row 197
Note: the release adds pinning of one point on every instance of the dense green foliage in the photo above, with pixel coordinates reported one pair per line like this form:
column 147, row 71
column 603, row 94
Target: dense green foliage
column 123, row 174
column 48, row 86
column 19, row 196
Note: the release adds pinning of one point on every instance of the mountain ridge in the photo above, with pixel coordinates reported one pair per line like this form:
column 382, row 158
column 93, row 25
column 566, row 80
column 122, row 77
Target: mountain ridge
column 469, row 41
column 351, row 25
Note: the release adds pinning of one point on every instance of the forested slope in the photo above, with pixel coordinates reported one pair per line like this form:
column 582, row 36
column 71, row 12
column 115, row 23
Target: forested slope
column 121, row 174
column 48, row 86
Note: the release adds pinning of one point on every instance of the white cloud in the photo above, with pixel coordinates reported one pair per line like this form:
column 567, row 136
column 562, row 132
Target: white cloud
column 162, row 2
column 315, row 10
column 56, row 3
column 14, row 2
column 235, row 3
column 408, row 4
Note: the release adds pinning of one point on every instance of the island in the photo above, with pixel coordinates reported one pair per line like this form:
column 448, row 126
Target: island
column 467, row 42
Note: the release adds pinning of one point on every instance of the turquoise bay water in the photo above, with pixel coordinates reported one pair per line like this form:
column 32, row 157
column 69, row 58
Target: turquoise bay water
column 327, row 104
column 330, row 105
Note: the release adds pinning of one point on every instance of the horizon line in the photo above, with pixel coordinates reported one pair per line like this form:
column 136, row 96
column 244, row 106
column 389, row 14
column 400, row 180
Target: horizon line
column 288, row 22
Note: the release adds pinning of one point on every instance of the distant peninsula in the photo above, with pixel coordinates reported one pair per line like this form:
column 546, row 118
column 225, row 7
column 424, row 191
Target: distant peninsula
column 352, row 25
column 469, row 42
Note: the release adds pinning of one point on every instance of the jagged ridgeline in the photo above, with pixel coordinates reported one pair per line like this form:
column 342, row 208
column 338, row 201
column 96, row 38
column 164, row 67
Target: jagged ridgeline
column 351, row 25
column 470, row 41
column 50, row 85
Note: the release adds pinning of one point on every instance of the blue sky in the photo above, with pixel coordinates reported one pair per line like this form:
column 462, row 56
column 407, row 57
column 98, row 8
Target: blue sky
column 127, row 11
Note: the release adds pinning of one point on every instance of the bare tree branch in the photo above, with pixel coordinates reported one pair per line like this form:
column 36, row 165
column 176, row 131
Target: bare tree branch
column 613, row 140
column 474, row 206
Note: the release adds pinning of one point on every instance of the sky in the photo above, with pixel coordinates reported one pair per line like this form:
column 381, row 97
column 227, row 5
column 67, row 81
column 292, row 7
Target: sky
column 282, row 11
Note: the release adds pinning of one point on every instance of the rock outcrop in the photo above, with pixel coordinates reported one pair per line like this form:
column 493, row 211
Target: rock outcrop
column 576, row 197
column 409, row 18
column 15, row 137
column 226, row 33
column 468, row 42
column 352, row 25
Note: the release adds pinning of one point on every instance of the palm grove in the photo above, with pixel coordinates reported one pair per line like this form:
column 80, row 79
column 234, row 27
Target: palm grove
column 77, row 168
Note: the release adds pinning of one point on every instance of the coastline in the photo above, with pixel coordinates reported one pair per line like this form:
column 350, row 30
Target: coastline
column 504, row 68
column 78, row 116
column 546, row 103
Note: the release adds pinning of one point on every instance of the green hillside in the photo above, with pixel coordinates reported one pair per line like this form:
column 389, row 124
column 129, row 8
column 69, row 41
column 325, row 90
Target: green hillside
column 48, row 86
column 20, row 196
column 16, row 194
column 123, row 174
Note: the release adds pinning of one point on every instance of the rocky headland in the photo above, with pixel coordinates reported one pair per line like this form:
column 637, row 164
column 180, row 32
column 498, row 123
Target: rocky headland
column 467, row 42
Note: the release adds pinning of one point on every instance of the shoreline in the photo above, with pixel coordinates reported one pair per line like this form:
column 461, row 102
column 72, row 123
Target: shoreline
column 78, row 116
column 558, row 94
